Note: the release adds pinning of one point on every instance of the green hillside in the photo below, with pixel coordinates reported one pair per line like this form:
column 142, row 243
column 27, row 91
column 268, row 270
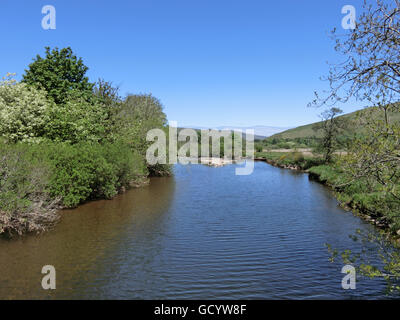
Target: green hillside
column 308, row 132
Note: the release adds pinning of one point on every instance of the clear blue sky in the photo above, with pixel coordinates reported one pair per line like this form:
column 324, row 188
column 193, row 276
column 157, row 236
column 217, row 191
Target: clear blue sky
column 211, row 62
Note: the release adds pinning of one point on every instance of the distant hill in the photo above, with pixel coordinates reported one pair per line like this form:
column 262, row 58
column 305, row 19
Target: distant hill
column 308, row 132
column 260, row 132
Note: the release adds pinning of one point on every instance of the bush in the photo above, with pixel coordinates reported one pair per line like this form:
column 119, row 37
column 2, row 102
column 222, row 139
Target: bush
column 25, row 203
column 88, row 142
column 91, row 171
column 37, row 179
column 24, row 111
column 259, row 147
column 297, row 157
column 284, row 145
column 76, row 120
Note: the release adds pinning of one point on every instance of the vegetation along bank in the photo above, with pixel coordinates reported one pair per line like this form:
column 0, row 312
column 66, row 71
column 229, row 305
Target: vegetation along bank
column 355, row 154
column 66, row 140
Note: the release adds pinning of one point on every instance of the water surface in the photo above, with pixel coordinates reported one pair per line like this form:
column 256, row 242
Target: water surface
column 202, row 234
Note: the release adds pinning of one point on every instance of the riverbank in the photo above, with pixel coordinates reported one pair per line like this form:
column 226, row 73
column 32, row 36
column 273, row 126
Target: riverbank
column 65, row 141
column 352, row 197
column 235, row 237
column 39, row 180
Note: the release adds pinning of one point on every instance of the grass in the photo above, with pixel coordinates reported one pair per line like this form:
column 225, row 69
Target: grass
column 289, row 159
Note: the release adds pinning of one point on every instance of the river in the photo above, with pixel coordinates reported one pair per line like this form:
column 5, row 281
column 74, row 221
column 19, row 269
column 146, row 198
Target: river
column 202, row 234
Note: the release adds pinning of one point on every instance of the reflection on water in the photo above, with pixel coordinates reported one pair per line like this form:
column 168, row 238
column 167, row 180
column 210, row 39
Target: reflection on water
column 204, row 233
column 83, row 241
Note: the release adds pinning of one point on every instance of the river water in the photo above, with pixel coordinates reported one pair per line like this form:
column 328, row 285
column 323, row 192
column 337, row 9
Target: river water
column 202, row 234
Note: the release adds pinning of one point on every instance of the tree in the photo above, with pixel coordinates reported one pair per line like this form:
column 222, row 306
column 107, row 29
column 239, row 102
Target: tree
column 144, row 107
column 374, row 157
column 76, row 120
column 137, row 115
column 108, row 96
column 371, row 72
column 378, row 243
column 107, row 93
column 330, row 126
column 58, row 73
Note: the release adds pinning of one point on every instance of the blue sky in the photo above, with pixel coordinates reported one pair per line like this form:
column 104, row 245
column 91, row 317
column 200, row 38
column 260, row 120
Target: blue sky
column 210, row 62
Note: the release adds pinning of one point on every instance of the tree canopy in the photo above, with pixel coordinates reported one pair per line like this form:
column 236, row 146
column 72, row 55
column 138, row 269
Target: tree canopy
column 58, row 73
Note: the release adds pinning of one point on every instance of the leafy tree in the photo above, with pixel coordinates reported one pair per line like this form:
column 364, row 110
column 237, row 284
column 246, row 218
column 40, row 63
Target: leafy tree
column 372, row 243
column 107, row 93
column 108, row 96
column 58, row 73
column 144, row 107
column 331, row 127
column 370, row 72
column 137, row 115
column 76, row 120
column 375, row 158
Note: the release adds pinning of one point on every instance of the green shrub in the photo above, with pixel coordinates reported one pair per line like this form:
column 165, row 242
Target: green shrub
column 64, row 140
column 25, row 203
column 297, row 157
column 284, row 145
column 127, row 165
column 91, row 171
column 259, row 147
column 76, row 120
column 24, row 111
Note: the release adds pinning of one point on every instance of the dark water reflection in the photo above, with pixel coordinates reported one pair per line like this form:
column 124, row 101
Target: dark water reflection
column 205, row 233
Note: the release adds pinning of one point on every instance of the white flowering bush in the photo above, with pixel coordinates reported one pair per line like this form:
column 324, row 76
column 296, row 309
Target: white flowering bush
column 24, row 110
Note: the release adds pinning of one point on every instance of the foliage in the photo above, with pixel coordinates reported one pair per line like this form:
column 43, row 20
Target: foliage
column 89, row 143
column 38, row 178
column 370, row 72
column 76, row 120
column 370, row 69
column 58, row 73
column 136, row 116
column 373, row 242
column 294, row 158
column 25, row 203
column 376, row 157
column 330, row 126
column 24, row 111
column 107, row 95
column 91, row 171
